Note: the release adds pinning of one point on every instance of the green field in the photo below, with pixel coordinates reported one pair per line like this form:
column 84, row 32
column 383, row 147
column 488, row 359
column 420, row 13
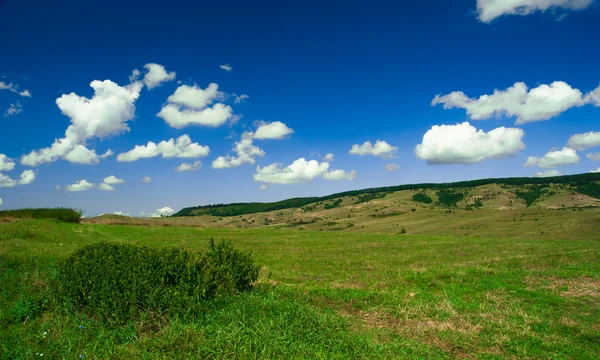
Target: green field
column 322, row 294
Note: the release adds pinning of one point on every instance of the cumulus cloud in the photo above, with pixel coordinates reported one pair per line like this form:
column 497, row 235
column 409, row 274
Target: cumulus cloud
column 299, row 171
column 548, row 173
column 189, row 167
column 147, row 179
column 464, row 144
column 584, row 141
column 275, row 130
column 105, row 187
column 566, row 156
column 112, row 180
column 593, row 97
column 180, row 148
column 82, row 155
column 107, row 154
column 6, row 163
column 14, row 88
column 25, row 93
column 392, row 167
column 105, row 114
column 240, row 98
column 155, row 75
column 538, row 104
column 26, row 178
column 189, row 106
column 246, row 153
column 81, row 185
column 381, row 149
column 163, row 211
column 122, row 213
column 329, row 157
column 135, row 74
column 226, row 67
column 14, row 109
column 594, row 156
column 595, row 171
column 489, row 10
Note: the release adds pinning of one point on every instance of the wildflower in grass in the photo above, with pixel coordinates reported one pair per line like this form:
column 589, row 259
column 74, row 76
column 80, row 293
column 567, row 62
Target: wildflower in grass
column 81, row 326
column 81, row 356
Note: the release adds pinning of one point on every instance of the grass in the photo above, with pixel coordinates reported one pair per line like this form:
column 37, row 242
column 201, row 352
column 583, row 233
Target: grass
column 322, row 295
column 60, row 214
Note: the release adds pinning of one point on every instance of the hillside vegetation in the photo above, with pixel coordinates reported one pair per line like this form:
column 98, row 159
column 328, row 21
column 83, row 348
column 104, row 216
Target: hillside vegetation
column 60, row 214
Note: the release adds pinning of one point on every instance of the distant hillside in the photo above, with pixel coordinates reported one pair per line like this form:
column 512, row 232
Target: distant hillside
column 583, row 183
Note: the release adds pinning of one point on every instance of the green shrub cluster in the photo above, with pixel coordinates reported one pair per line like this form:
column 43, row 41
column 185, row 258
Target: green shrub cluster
column 531, row 194
column 117, row 282
column 422, row 197
column 60, row 214
column 369, row 196
column 449, row 197
column 333, row 205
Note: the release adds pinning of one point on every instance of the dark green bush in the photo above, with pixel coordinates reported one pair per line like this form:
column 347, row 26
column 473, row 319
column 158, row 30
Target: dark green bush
column 118, row 282
column 60, row 214
column 422, row 197
column 449, row 197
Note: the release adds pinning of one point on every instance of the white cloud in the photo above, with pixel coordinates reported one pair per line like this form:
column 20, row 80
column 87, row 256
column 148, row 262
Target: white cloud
column 226, row 67
column 537, row 104
column 246, row 152
column 189, row 167
column 594, row 156
column 163, row 211
column 595, row 171
column 548, row 173
column 81, row 185
column 240, row 98
column 180, row 148
column 135, row 74
column 392, row 167
column 6, row 163
column 464, row 144
column 584, row 141
column 82, row 155
column 57, row 187
column 14, row 109
column 155, row 75
column 121, row 213
column 593, row 97
column 381, row 149
column 25, row 93
column 488, row 10
column 263, row 187
column 147, row 179
column 14, row 88
column 275, row 130
column 105, row 187
column 329, row 157
column 339, row 175
column 299, row 171
column 26, row 178
column 566, row 156
column 0, row 201
column 196, row 97
column 112, row 180
column 104, row 115
column 108, row 153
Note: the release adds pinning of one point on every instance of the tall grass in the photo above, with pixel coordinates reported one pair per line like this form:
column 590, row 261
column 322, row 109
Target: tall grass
column 60, row 214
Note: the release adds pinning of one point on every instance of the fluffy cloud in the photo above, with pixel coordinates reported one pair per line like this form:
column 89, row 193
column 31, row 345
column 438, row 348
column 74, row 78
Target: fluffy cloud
column 246, row 152
column 381, row 149
column 189, row 167
column 108, row 153
column 299, row 171
column 156, row 75
column 14, row 109
column 593, row 97
column 275, row 130
column 548, row 173
column 584, row 141
column 240, row 98
column 104, row 115
column 392, row 167
column 82, row 155
column 339, row 175
column 163, row 211
column 14, row 88
column 0, row 201
column 226, row 67
column 594, row 156
column 189, row 106
column 122, row 213
column 105, row 187
column 26, row 178
column 566, row 156
column 537, row 104
column 112, row 180
column 81, row 185
column 464, row 144
column 329, row 157
column 147, row 179
column 6, row 163
column 180, row 148
column 488, row 10
column 595, row 171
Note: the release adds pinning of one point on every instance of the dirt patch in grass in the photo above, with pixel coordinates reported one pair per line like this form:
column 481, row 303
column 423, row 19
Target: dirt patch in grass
column 576, row 287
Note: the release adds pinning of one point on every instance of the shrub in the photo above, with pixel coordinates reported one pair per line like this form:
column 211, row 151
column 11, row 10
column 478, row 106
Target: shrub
column 60, row 214
column 422, row 197
column 449, row 198
column 118, row 282
column 403, row 231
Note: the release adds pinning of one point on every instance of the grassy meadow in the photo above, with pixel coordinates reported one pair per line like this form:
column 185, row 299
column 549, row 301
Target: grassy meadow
column 322, row 294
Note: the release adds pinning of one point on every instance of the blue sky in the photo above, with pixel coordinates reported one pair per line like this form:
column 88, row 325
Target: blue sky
column 318, row 78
